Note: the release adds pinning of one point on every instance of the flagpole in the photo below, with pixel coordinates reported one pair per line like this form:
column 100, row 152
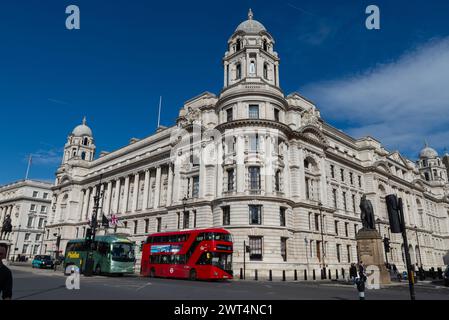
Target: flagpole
column 28, row 167
column 159, row 114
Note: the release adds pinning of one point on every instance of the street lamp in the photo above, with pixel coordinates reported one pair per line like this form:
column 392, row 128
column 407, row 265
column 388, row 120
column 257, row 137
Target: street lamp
column 184, row 204
column 323, row 254
column 17, row 241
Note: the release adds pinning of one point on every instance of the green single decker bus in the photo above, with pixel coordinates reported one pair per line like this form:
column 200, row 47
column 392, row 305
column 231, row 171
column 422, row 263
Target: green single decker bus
column 112, row 254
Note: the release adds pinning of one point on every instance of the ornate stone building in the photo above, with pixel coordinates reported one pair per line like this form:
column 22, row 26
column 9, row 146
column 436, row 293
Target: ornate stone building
column 263, row 165
column 27, row 202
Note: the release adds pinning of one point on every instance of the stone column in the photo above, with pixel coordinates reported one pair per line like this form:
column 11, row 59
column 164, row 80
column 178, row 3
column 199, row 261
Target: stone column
column 323, row 183
column 125, row 195
column 115, row 207
column 170, row 185
column 81, row 207
column 136, row 192
column 91, row 202
column 107, row 207
column 146, row 189
column 286, row 173
column 240, row 145
column 176, row 183
column 268, row 167
column 302, row 177
column 157, row 192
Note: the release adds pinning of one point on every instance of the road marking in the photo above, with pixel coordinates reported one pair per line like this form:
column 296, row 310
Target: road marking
column 144, row 286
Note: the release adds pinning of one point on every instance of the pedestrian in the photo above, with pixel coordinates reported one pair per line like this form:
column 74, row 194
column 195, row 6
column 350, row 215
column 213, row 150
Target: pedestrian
column 353, row 273
column 5, row 277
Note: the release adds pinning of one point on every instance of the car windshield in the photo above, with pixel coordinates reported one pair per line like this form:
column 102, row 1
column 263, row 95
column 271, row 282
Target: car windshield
column 123, row 252
column 46, row 258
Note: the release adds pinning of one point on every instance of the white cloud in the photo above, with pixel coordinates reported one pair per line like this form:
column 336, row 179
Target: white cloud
column 400, row 103
column 46, row 157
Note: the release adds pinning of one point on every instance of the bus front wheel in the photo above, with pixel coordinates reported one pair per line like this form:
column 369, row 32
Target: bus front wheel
column 193, row 275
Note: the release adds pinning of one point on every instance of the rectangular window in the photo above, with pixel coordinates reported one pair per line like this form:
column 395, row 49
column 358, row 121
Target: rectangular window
column 159, row 225
column 353, row 203
column 307, row 188
column 41, row 223
column 348, row 251
column 254, row 178
column 344, row 201
column 342, row 174
column 45, row 196
column 334, row 195
column 254, row 112
column 186, row 220
column 196, row 187
column 194, row 218
column 179, row 220
column 338, row 252
column 346, row 229
column 27, row 236
column 230, row 174
column 360, row 181
column 317, row 222
column 135, row 226
column 43, row 209
column 35, row 194
column 336, row 227
column 25, row 249
column 256, row 248
column 33, row 208
column 255, row 215
column 38, row 237
column 282, row 216
column 254, row 143
column 147, row 225
column 30, row 222
column 226, row 215
column 277, row 181
column 229, row 115
column 332, row 171
column 355, row 229
column 276, row 115
column 284, row 249
column 351, row 178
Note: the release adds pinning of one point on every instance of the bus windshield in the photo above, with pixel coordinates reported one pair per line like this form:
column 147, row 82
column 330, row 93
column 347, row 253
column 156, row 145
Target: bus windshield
column 123, row 252
column 217, row 259
column 215, row 236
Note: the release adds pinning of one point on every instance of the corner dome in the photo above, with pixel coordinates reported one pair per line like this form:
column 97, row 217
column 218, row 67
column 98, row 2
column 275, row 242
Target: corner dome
column 428, row 153
column 82, row 130
column 251, row 26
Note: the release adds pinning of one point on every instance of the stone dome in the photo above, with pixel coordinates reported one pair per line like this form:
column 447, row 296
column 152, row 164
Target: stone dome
column 82, row 130
column 428, row 153
column 251, row 26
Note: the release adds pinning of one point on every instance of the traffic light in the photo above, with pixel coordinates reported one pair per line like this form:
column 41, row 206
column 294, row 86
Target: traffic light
column 387, row 244
column 89, row 234
column 394, row 206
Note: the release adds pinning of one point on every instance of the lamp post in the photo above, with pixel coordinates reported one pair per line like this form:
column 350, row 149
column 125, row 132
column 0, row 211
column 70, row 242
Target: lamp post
column 419, row 254
column 43, row 237
column 17, row 241
column 323, row 254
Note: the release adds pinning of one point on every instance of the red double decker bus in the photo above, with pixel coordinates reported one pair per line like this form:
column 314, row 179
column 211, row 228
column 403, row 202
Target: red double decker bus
column 197, row 254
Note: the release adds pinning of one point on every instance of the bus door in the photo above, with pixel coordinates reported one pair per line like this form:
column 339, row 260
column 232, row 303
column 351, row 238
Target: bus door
column 179, row 268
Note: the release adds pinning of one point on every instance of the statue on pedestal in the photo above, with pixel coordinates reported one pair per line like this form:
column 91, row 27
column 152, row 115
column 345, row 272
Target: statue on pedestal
column 367, row 215
column 6, row 227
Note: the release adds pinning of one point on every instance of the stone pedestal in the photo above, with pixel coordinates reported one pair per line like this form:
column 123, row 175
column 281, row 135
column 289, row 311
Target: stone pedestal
column 370, row 251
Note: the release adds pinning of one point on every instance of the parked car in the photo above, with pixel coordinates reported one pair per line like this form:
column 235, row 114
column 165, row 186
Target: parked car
column 42, row 262
column 446, row 276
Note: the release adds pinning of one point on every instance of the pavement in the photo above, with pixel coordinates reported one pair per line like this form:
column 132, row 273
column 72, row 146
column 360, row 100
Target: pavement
column 36, row 284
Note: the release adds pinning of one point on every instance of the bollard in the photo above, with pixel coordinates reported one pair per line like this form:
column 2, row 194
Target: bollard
column 256, row 277
column 241, row 274
column 361, row 288
column 296, row 275
column 336, row 274
column 342, row 273
column 330, row 277
column 314, row 274
column 271, row 276
column 283, row 275
column 305, row 275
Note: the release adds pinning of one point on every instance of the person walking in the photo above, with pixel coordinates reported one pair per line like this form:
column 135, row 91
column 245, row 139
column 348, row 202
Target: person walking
column 353, row 273
column 5, row 277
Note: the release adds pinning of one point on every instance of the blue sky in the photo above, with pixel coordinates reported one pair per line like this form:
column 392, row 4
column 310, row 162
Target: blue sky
column 128, row 53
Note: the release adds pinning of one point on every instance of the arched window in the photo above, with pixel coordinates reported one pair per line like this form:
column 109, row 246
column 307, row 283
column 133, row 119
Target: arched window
column 86, row 141
column 238, row 45
column 83, row 156
column 265, row 45
column 238, row 71
column 278, row 181
column 252, row 67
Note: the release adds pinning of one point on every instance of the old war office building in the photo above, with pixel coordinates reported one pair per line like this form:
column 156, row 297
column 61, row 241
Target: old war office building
column 314, row 172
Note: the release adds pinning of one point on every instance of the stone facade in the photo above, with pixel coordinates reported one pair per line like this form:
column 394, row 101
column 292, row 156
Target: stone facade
column 28, row 203
column 263, row 165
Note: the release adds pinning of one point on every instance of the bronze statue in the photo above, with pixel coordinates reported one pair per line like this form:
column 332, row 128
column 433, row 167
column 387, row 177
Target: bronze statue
column 6, row 227
column 367, row 214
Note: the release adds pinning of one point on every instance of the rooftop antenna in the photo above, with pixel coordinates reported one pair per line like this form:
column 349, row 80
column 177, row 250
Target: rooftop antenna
column 159, row 114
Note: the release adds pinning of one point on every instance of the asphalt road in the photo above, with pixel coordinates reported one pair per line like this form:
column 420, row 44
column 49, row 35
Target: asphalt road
column 32, row 284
